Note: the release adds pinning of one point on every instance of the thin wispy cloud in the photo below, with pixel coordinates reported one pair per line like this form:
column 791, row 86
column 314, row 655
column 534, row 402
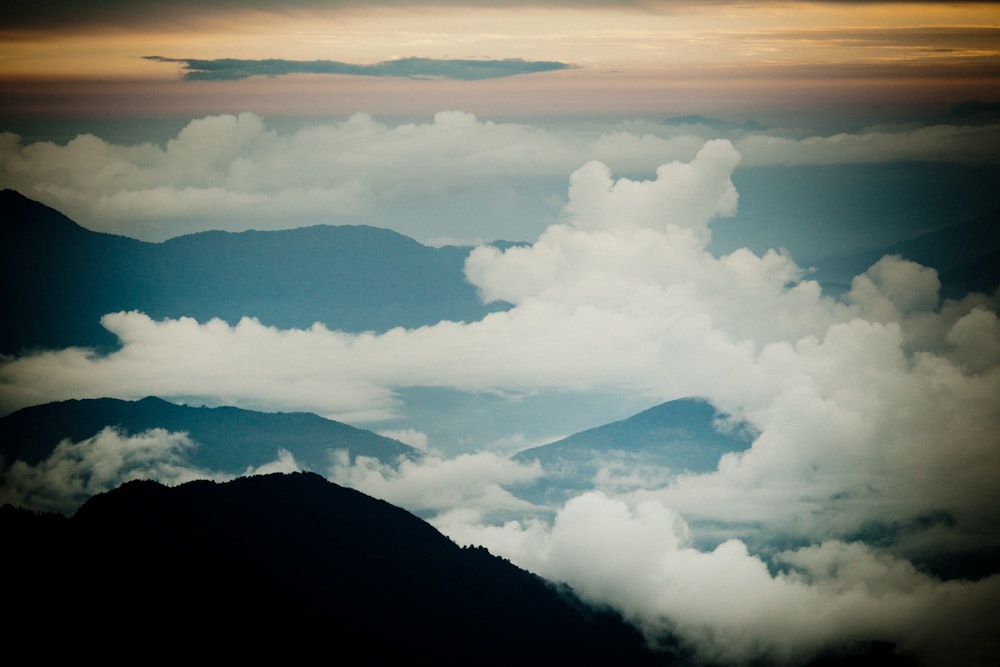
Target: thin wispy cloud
column 646, row 55
column 230, row 69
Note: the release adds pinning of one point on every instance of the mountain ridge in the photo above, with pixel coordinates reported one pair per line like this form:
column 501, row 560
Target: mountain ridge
column 230, row 439
column 62, row 278
column 687, row 434
column 283, row 565
column 678, row 421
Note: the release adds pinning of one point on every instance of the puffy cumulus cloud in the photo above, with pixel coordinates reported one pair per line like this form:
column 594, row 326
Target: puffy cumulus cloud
column 77, row 470
column 895, row 290
column 726, row 605
column 637, row 249
column 976, row 339
column 434, row 483
column 285, row 463
column 894, row 287
column 694, row 194
column 856, row 434
column 235, row 172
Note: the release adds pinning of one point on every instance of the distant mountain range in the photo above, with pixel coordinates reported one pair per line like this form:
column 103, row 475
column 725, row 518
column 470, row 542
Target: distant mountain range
column 284, row 568
column 684, row 435
column 680, row 435
column 229, row 440
column 966, row 256
column 59, row 278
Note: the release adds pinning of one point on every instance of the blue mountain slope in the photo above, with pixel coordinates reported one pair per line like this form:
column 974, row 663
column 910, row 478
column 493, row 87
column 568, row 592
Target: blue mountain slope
column 687, row 434
column 61, row 278
column 229, row 439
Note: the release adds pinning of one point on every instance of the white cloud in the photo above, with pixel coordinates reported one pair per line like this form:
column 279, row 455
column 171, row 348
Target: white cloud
column 629, row 300
column 726, row 605
column 234, row 172
column 247, row 364
column 469, row 481
column 285, row 463
column 976, row 338
column 408, row 436
column 894, row 287
column 77, row 470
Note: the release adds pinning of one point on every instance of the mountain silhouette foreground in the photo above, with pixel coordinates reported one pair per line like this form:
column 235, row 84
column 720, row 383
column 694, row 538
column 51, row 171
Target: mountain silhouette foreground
column 284, row 567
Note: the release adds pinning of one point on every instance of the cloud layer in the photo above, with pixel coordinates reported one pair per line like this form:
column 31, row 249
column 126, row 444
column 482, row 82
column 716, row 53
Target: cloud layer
column 727, row 606
column 425, row 179
column 852, row 398
column 75, row 471
column 876, row 414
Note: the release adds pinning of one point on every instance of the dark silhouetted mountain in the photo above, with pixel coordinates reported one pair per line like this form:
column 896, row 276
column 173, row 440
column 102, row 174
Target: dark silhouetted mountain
column 687, row 434
column 284, row 567
column 979, row 275
column 229, row 439
column 973, row 112
column 965, row 257
column 60, row 278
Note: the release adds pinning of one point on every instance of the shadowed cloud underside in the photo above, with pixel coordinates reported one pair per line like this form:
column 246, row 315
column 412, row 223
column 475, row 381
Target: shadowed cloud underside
column 231, row 69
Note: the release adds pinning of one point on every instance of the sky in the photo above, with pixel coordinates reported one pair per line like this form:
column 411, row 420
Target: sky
column 671, row 169
column 59, row 58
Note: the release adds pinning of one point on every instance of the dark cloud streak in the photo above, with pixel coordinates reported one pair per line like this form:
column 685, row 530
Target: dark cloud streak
column 231, row 69
column 72, row 15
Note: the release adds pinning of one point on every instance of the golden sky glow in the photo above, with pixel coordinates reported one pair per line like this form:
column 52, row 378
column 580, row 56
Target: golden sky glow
column 955, row 46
